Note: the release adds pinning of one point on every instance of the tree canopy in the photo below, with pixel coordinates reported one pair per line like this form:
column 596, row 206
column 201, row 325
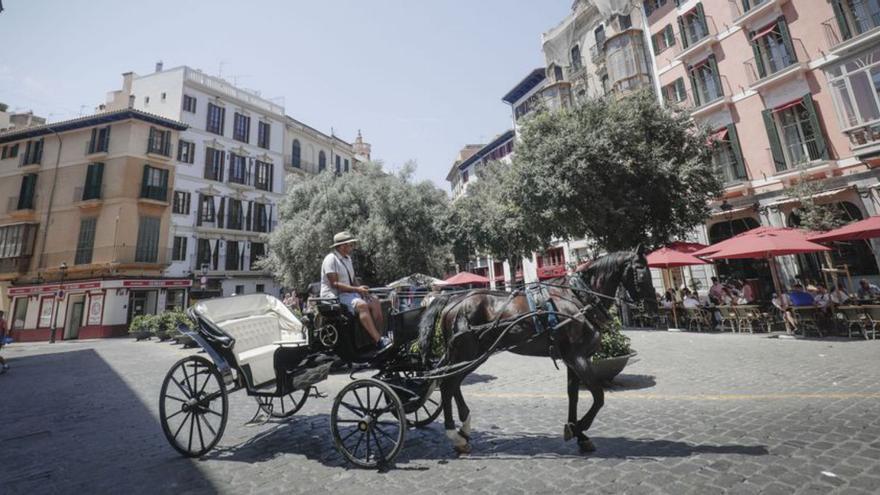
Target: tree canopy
column 620, row 171
column 398, row 223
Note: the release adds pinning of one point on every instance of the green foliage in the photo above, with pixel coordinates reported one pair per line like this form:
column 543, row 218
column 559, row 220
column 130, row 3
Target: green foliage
column 621, row 171
column 488, row 220
column 812, row 216
column 399, row 224
column 141, row 323
column 614, row 342
column 170, row 320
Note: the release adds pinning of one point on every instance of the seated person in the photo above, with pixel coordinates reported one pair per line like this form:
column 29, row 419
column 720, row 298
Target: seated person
column 690, row 301
column 668, row 300
column 337, row 280
column 822, row 298
column 868, row 290
column 839, row 295
column 799, row 297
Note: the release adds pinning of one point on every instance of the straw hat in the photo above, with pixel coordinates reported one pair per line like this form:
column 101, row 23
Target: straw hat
column 343, row 237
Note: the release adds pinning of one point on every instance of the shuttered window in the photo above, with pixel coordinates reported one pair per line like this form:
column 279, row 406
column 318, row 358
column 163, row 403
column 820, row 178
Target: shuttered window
column 216, row 117
column 795, row 134
column 86, row 242
column 178, row 251
column 94, row 182
column 27, row 193
column 147, row 250
column 264, row 129
column 241, row 128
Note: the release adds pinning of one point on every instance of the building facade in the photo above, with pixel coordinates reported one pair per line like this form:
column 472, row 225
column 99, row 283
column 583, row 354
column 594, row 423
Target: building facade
column 787, row 89
column 85, row 225
column 310, row 151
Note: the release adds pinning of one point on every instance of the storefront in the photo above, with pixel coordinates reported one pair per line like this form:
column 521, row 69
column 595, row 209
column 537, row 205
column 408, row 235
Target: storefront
column 89, row 309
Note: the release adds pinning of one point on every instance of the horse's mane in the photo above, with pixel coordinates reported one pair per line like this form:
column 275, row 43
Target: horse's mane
column 604, row 267
column 427, row 324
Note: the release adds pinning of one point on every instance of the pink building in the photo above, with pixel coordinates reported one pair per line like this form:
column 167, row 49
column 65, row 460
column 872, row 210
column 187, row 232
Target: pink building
column 790, row 89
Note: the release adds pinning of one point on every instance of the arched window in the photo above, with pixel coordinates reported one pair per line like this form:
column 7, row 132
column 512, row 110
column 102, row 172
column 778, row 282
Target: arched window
column 295, row 155
column 338, row 165
column 576, row 57
column 322, row 161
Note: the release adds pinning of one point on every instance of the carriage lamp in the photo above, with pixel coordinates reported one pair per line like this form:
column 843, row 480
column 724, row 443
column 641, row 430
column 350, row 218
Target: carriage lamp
column 59, row 296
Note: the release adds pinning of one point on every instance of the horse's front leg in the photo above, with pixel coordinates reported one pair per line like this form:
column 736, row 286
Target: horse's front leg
column 574, row 384
column 585, row 374
column 464, row 414
column 447, row 392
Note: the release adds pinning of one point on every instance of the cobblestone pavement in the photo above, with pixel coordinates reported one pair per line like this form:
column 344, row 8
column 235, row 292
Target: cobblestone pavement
column 698, row 413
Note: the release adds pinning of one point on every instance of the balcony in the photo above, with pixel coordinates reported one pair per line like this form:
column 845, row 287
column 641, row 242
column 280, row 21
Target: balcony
column 16, row 265
column 88, row 196
column 797, row 154
column 108, row 256
column 858, row 31
column 698, row 37
column 159, row 149
column 15, row 206
column 97, row 147
column 756, row 10
column 864, row 139
column 154, row 193
column 777, row 66
column 708, row 97
column 240, row 179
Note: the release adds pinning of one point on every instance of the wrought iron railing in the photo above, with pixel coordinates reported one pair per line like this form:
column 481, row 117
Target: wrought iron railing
column 774, row 61
column 857, row 20
column 82, row 193
column 158, row 193
column 105, row 255
column 16, row 203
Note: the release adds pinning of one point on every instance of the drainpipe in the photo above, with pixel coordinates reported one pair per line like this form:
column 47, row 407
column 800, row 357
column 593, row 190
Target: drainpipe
column 51, row 198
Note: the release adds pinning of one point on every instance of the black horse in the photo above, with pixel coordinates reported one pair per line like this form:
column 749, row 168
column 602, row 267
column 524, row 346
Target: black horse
column 473, row 326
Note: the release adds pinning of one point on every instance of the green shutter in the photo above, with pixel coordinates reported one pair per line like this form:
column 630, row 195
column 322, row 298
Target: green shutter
column 681, row 30
column 746, row 6
column 648, row 4
column 737, row 151
column 759, row 62
column 821, row 146
column 701, row 15
column 654, row 44
column 713, row 64
column 845, row 32
column 773, row 135
column 786, row 37
column 681, row 94
column 670, row 35
column 219, row 218
column 696, row 94
column 144, row 181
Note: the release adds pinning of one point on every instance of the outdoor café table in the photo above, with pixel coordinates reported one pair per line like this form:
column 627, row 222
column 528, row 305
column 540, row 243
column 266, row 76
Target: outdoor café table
column 855, row 316
column 750, row 316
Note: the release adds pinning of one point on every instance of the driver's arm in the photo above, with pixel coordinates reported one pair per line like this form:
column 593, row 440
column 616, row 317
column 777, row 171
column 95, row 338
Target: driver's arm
column 333, row 278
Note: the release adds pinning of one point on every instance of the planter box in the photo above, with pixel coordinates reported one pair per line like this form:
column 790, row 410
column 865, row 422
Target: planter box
column 145, row 335
column 606, row 369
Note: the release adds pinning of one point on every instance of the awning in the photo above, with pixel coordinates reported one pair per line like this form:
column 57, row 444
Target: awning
column 785, row 106
column 719, row 135
column 732, row 211
column 764, row 32
column 868, row 228
column 822, row 195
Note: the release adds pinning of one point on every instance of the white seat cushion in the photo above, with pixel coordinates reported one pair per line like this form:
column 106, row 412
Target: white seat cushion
column 261, row 361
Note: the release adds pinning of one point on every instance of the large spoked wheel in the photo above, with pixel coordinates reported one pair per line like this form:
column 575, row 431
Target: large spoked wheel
column 366, row 423
column 428, row 410
column 193, row 406
column 284, row 406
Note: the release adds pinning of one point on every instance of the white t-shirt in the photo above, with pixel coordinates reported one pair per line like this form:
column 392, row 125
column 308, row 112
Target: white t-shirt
column 341, row 266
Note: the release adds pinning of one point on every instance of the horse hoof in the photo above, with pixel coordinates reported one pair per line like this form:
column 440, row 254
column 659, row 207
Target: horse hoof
column 462, row 449
column 586, row 446
column 568, row 432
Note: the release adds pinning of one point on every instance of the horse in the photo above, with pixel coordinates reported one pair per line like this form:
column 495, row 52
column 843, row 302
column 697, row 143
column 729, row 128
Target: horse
column 480, row 322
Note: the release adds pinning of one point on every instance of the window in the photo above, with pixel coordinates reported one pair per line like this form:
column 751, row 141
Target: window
column 100, row 140
column 727, row 156
column 557, row 73
column 239, row 290
column 238, row 169
column 232, row 256
column 692, row 26
column 855, row 86
column 773, row 50
column 706, row 81
column 464, row 177
column 27, row 193
column 652, row 5
column 178, row 250
column 203, row 253
column 263, row 175
column 263, row 129
column 20, row 312
column 576, row 58
column 86, row 242
column 146, row 100
column 33, row 153
column 322, row 161
column 235, row 216
column 599, row 34
column 296, row 154
column 663, row 39
column 261, row 288
column 675, row 92
column 9, row 151
column 216, row 117
column 181, row 202
column 855, row 17
column 338, row 164
column 624, row 22
column 261, row 218
column 346, row 164
column 159, row 142
column 154, row 184
column 186, row 151
column 258, row 250
column 189, row 104
column 94, row 182
column 17, row 240
column 147, row 250
column 206, row 210
column 214, row 161
column 241, row 128
column 795, row 135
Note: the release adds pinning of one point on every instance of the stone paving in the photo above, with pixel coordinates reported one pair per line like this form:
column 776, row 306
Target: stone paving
column 698, row 413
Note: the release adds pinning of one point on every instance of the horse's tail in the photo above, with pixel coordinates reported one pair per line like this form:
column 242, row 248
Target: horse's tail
column 429, row 323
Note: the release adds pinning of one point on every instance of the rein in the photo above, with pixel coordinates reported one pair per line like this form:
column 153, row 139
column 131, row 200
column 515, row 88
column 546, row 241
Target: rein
column 627, row 301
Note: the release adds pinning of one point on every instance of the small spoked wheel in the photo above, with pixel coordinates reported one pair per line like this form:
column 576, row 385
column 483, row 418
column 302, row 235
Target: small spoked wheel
column 365, row 423
column 193, row 406
column 428, row 410
column 284, row 406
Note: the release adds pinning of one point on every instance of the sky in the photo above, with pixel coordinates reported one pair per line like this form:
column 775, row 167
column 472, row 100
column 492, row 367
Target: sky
column 420, row 79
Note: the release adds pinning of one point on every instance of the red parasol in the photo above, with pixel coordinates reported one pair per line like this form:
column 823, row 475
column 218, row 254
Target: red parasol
column 466, row 278
column 868, row 228
column 667, row 257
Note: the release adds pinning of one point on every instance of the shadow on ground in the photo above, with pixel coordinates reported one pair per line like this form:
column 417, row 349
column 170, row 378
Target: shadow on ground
column 626, row 381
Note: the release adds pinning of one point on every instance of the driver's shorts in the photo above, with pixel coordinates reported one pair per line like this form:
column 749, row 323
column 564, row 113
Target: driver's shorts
column 351, row 300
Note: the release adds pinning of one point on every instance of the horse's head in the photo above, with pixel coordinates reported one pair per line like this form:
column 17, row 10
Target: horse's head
column 636, row 280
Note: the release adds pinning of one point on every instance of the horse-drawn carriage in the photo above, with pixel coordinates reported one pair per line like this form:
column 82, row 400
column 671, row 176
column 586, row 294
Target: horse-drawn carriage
column 255, row 343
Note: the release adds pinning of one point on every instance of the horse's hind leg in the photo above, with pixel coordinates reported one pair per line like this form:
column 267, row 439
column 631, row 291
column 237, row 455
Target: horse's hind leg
column 573, row 387
column 447, row 392
column 585, row 374
column 464, row 414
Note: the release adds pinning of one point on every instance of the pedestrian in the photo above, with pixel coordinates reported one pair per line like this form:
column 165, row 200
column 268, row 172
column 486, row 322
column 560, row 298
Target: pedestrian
column 716, row 292
column 4, row 367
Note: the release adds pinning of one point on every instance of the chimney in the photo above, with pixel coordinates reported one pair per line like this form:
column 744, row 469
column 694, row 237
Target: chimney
column 159, row 66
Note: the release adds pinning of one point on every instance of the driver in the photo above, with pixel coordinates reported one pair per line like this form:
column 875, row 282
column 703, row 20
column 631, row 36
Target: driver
column 338, row 281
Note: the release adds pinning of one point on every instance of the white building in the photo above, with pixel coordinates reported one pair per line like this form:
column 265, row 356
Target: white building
column 308, row 150
column 230, row 175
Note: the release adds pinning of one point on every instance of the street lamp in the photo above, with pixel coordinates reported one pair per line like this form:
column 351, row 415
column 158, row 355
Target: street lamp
column 59, row 296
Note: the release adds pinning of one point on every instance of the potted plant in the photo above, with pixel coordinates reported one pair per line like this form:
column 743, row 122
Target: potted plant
column 173, row 320
column 613, row 354
column 140, row 328
column 161, row 328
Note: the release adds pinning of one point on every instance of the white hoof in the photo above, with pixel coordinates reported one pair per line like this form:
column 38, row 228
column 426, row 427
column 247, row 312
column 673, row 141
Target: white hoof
column 466, row 427
column 458, row 441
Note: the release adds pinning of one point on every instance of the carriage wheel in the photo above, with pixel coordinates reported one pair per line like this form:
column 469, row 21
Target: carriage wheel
column 284, row 406
column 365, row 423
column 193, row 406
column 428, row 411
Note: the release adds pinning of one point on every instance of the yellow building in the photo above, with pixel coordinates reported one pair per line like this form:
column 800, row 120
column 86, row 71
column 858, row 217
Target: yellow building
column 85, row 224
